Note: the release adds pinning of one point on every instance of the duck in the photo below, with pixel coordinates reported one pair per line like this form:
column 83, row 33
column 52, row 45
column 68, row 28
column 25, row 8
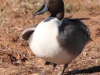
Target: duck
column 57, row 40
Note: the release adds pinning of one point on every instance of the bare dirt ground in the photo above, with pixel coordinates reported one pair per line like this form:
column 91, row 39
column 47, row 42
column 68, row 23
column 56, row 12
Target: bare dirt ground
column 15, row 56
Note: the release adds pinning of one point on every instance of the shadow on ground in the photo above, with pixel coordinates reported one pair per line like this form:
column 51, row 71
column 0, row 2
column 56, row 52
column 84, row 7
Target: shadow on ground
column 88, row 70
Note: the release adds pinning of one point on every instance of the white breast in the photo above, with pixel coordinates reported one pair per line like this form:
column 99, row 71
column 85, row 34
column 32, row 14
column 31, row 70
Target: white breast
column 43, row 42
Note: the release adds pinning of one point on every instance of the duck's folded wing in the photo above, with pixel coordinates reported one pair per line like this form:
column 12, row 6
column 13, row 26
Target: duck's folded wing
column 27, row 32
column 77, row 22
column 75, row 19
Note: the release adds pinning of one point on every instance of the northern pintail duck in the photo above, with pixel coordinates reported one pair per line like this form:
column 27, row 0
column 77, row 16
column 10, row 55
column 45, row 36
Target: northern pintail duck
column 57, row 40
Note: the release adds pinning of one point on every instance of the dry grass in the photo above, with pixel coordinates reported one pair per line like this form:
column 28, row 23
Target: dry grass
column 12, row 7
column 90, row 5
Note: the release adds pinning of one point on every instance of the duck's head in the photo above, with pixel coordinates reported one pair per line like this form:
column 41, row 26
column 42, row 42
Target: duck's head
column 55, row 7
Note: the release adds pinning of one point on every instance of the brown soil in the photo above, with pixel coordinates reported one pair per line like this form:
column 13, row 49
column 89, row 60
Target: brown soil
column 15, row 56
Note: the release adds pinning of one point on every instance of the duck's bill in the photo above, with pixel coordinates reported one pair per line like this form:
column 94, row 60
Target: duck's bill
column 43, row 9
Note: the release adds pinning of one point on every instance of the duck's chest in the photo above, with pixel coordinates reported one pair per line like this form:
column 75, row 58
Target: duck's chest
column 43, row 42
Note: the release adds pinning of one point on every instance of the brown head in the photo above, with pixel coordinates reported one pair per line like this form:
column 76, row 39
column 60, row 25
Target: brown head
column 55, row 7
